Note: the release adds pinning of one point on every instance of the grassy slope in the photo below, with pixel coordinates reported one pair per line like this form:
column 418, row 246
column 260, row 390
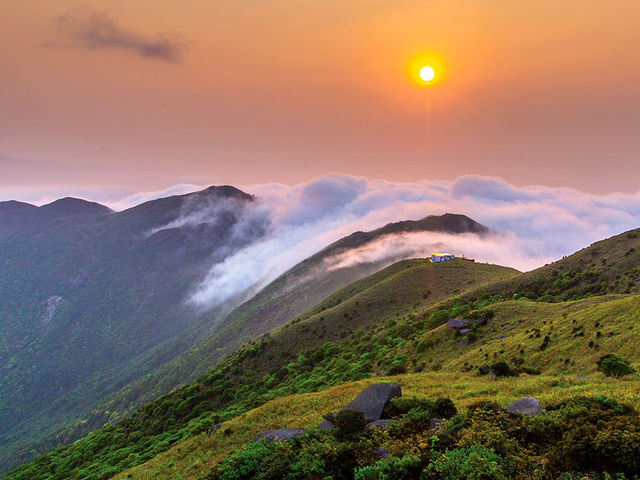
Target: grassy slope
column 617, row 317
column 409, row 333
column 579, row 332
column 390, row 293
column 304, row 285
column 193, row 459
column 608, row 266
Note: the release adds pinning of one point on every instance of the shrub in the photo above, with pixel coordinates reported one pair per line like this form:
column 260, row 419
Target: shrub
column 348, row 423
column 470, row 463
column 596, row 433
column 501, row 369
column 412, row 422
column 393, row 468
column 444, row 408
column 400, row 405
column 613, row 366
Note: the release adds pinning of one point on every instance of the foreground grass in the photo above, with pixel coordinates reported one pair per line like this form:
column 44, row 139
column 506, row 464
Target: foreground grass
column 194, row 458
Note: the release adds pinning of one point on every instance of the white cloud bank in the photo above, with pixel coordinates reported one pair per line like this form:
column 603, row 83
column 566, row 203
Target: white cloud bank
column 533, row 225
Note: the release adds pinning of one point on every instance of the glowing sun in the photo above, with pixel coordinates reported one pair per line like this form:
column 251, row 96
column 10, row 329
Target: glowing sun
column 426, row 69
column 427, row 73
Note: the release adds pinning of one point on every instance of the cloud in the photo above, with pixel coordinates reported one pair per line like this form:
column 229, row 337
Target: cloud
column 97, row 30
column 532, row 225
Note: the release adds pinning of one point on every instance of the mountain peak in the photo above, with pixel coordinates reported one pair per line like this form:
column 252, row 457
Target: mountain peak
column 14, row 206
column 225, row 191
column 74, row 206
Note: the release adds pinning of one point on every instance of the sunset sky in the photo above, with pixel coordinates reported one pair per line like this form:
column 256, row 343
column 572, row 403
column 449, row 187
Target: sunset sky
column 146, row 94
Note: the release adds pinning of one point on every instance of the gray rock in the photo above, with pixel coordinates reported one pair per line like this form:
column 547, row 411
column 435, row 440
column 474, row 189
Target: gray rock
column 215, row 428
column 463, row 342
column 457, row 323
column 480, row 322
column 525, row 406
column 326, row 425
column 464, row 331
column 280, row 435
column 502, row 337
column 436, row 425
column 372, row 400
column 382, row 424
column 382, row 453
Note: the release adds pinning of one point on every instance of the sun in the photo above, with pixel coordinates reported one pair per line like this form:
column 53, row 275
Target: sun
column 426, row 69
column 427, row 73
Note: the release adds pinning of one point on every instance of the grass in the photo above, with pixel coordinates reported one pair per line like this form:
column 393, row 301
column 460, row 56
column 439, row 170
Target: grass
column 194, row 458
column 525, row 324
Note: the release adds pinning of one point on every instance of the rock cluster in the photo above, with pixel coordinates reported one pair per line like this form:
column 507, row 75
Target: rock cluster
column 372, row 402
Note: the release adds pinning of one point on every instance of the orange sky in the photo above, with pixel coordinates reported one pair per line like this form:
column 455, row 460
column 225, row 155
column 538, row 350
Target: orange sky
column 540, row 92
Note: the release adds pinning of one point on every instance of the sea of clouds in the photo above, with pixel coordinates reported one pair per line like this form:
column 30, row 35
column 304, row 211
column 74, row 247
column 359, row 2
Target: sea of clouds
column 531, row 226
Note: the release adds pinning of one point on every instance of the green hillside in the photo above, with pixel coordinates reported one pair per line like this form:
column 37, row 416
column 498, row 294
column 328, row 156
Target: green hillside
column 546, row 330
column 239, row 383
column 566, row 367
column 86, row 306
column 287, row 297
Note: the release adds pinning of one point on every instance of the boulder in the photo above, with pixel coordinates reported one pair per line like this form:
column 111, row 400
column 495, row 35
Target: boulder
column 215, row 428
column 280, row 435
column 382, row 424
column 437, row 424
column 463, row 342
column 464, row 331
column 326, row 425
column 525, row 406
column 457, row 323
column 372, row 400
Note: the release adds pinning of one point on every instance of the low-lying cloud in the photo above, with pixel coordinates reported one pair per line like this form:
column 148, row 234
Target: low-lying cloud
column 531, row 225
column 97, row 30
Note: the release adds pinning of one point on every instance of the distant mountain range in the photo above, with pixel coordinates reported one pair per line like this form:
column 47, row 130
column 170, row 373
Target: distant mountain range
column 93, row 319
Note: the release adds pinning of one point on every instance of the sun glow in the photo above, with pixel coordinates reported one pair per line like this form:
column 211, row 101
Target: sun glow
column 426, row 69
column 427, row 73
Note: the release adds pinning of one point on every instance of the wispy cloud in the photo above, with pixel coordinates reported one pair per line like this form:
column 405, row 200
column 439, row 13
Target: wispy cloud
column 97, row 30
column 532, row 225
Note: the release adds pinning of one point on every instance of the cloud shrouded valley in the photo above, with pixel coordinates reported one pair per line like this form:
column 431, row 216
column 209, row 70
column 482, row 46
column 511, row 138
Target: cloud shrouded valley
column 530, row 226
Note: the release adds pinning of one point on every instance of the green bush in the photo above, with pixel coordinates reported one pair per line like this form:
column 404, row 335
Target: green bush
column 400, row 405
column 393, row 468
column 501, row 369
column 444, row 408
column 348, row 423
column 613, row 366
column 470, row 463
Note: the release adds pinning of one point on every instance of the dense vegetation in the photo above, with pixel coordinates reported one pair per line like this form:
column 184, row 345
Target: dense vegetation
column 264, row 370
column 592, row 437
column 86, row 307
column 92, row 325
column 388, row 324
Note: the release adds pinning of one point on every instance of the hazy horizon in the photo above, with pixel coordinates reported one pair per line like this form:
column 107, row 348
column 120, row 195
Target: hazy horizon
column 141, row 97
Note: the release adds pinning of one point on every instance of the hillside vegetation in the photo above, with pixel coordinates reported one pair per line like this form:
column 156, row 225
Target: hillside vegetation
column 86, row 306
column 544, row 333
column 239, row 383
column 287, row 297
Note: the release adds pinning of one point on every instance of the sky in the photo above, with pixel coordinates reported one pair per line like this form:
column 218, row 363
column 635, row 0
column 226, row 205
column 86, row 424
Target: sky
column 109, row 98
